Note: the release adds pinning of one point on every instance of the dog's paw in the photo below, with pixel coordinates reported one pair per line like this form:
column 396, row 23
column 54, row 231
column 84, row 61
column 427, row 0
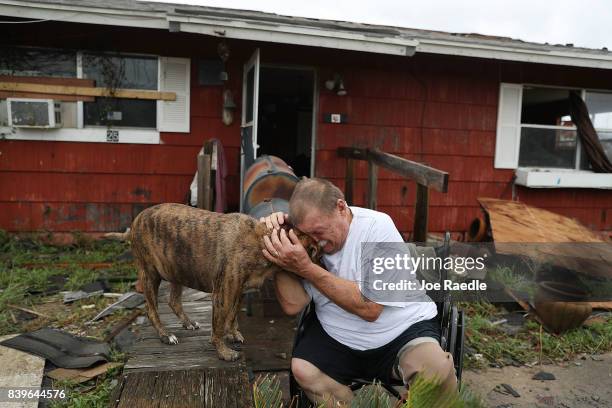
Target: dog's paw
column 235, row 337
column 229, row 355
column 169, row 339
column 191, row 325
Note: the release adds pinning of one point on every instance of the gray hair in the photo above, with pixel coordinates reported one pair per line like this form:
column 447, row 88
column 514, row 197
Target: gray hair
column 312, row 193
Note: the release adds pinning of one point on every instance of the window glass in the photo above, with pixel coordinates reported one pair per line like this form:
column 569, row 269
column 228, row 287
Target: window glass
column 127, row 72
column 121, row 112
column 22, row 61
column 121, row 71
column 546, row 106
column 606, row 142
column 547, row 148
column 600, row 109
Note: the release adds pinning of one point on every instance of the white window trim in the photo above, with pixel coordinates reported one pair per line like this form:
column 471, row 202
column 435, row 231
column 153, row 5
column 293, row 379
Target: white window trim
column 543, row 177
column 562, row 178
column 88, row 134
column 94, row 135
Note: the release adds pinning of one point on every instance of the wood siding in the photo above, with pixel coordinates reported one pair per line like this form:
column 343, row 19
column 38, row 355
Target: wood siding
column 438, row 110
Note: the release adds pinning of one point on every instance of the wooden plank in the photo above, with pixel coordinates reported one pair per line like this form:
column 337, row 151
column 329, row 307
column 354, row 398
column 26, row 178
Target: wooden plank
column 422, row 174
column 48, row 80
column 421, row 214
column 372, row 185
column 86, row 91
column 349, row 181
column 57, row 97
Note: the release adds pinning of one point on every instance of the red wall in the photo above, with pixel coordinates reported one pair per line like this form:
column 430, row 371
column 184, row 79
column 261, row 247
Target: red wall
column 438, row 110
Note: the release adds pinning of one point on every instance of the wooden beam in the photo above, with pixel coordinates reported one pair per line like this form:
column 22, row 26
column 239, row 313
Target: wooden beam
column 203, row 181
column 421, row 214
column 349, row 181
column 422, row 174
column 86, row 91
column 57, row 97
column 90, row 83
column 372, row 185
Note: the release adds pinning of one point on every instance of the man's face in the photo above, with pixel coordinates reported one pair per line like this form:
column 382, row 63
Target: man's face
column 328, row 229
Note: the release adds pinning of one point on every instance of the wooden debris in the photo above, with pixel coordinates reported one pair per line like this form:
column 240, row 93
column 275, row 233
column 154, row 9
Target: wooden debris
column 85, row 91
column 544, row 236
column 31, row 311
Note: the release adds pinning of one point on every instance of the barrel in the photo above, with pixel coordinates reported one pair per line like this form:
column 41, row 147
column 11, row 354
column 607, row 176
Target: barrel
column 269, row 177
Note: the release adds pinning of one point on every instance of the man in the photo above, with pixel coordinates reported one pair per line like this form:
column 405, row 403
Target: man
column 352, row 337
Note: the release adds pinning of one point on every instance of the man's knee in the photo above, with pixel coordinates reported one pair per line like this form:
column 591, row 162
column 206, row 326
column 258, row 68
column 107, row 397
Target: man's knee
column 429, row 360
column 305, row 373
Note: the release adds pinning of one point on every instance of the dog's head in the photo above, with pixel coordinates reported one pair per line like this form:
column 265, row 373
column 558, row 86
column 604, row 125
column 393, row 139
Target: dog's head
column 311, row 246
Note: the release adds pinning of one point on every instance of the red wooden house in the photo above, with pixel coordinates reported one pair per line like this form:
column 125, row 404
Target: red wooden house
column 488, row 110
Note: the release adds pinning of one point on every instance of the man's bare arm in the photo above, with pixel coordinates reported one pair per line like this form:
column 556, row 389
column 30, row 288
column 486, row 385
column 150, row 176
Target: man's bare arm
column 290, row 292
column 342, row 292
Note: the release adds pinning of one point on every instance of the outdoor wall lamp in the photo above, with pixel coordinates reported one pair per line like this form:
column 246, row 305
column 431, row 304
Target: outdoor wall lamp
column 336, row 85
column 229, row 106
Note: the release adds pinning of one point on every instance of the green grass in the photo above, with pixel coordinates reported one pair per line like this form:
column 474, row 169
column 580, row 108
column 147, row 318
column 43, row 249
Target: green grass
column 498, row 348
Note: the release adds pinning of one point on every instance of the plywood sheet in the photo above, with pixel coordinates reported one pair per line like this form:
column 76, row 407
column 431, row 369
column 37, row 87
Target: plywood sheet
column 547, row 237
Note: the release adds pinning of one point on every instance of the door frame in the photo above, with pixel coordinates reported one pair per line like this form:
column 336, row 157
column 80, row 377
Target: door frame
column 315, row 103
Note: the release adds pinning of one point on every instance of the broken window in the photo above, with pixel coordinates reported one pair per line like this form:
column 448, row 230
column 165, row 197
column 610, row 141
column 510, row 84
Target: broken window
column 599, row 105
column 548, row 135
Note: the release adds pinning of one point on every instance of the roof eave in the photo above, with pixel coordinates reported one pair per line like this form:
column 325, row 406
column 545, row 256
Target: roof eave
column 302, row 35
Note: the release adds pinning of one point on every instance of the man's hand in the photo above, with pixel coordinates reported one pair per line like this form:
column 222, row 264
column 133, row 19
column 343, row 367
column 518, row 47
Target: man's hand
column 286, row 251
column 275, row 220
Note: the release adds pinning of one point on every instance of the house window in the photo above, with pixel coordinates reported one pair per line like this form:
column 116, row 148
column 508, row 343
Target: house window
column 548, row 137
column 114, row 72
column 21, row 61
column 132, row 120
column 600, row 111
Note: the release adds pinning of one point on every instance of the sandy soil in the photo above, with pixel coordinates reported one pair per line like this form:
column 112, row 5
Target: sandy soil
column 581, row 383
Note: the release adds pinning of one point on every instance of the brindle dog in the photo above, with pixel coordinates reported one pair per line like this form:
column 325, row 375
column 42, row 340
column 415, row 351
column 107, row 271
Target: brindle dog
column 207, row 251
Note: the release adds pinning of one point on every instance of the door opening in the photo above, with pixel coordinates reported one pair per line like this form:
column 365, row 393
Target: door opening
column 285, row 116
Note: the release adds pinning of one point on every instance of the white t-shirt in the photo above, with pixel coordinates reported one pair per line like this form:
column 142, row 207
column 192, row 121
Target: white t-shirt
column 350, row 329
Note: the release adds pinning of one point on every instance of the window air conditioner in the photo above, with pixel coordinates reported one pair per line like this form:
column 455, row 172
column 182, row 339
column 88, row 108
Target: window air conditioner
column 34, row 113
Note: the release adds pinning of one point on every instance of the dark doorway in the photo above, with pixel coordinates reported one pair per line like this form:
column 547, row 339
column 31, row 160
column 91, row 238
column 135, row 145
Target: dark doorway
column 284, row 126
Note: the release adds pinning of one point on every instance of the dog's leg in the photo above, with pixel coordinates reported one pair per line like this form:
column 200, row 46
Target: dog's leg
column 176, row 305
column 150, row 285
column 221, row 308
column 233, row 333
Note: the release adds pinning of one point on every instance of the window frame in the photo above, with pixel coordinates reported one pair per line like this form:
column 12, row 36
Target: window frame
column 521, row 125
column 91, row 133
column 550, row 177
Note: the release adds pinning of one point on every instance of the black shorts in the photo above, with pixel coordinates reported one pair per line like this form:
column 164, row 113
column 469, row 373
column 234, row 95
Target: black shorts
column 345, row 364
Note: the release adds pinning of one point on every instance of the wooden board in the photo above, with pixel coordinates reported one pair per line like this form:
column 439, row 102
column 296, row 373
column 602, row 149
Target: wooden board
column 47, row 81
column 209, row 388
column 547, row 237
column 85, row 91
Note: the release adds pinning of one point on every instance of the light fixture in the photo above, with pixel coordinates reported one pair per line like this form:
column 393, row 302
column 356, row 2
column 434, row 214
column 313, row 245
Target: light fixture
column 336, row 85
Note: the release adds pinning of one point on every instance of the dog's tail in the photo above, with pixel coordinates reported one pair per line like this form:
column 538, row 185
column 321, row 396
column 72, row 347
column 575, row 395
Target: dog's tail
column 119, row 236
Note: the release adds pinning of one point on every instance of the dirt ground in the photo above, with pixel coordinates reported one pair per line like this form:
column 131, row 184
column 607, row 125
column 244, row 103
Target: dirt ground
column 581, row 383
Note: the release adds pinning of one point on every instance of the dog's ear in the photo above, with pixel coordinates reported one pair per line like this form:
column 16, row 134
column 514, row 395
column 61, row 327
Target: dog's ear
column 315, row 252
